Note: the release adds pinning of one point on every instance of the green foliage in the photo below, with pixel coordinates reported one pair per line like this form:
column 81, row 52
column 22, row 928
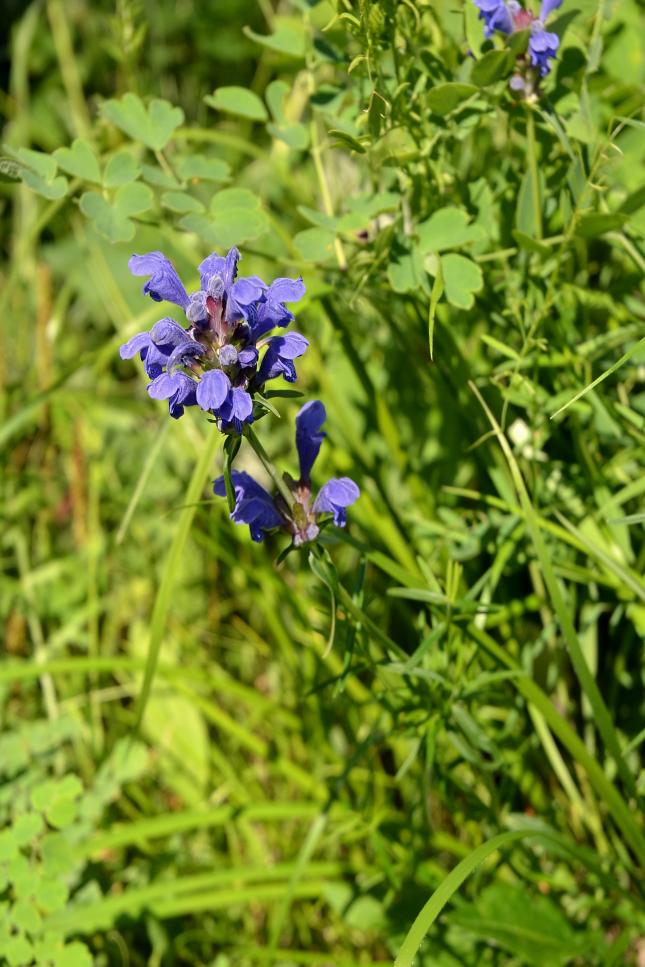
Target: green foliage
column 421, row 743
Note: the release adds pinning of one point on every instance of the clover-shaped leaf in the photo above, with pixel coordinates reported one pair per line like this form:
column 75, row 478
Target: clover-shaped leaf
column 239, row 101
column 235, row 216
column 315, row 244
column 51, row 894
column 18, row 951
column 57, row 799
column 112, row 219
column 462, row 278
column 79, row 161
column 27, row 827
column 24, row 914
column 288, row 37
column 201, row 168
column 38, row 171
column 447, row 228
column 181, row 201
column 292, row 133
column 153, row 125
column 121, row 169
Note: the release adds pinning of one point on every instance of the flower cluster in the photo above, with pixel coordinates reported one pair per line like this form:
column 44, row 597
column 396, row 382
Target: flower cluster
column 301, row 515
column 508, row 17
column 219, row 361
column 215, row 362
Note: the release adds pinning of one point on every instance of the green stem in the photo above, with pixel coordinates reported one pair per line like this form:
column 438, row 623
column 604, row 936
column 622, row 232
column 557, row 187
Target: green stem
column 268, row 466
column 533, row 168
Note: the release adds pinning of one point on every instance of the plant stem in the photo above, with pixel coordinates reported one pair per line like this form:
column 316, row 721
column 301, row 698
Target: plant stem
column 268, row 466
column 533, row 168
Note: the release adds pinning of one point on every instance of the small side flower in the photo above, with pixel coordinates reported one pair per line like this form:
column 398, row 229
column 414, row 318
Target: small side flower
column 303, row 516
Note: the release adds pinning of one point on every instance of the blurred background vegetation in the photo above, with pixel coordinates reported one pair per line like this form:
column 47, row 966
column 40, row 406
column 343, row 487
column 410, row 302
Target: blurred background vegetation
column 296, row 791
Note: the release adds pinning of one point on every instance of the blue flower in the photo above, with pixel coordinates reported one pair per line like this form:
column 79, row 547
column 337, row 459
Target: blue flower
column 253, row 505
column 543, row 44
column 215, row 363
column 510, row 17
column 262, row 512
column 496, row 16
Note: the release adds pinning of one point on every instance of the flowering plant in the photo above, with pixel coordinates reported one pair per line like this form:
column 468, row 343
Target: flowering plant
column 510, row 17
column 215, row 363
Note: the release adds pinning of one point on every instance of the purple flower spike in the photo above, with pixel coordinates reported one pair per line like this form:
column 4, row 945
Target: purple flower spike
column 253, row 505
column 164, row 283
column 309, row 435
column 216, row 353
column 336, row 495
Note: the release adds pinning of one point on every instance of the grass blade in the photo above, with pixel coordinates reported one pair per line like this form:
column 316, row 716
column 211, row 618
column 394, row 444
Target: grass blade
column 445, row 891
column 171, row 570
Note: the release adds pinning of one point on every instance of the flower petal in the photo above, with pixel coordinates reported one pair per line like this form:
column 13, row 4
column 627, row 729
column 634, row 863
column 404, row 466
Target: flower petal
column 286, row 290
column 223, row 266
column 135, row 345
column 253, row 505
column 309, row 435
column 547, row 8
column 164, row 386
column 212, row 389
column 337, row 494
column 169, row 333
column 164, row 283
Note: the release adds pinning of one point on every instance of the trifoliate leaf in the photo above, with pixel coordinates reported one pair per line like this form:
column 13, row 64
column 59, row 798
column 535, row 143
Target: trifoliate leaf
column 79, row 161
column 235, row 216
column 18, row 952
column 201, row 168
column 181, row 201
column 25, row 916
column 275, row 96
column 315, row 244
column 43, row 165
column 27, row 827
column 133, row 198
column 73, row 954
column 296, row 136
column 407, row 273
column 462, row 278
column 239, row 101
column 288, row 37
column 447, row 228
column 120, row 169
column 106, row 219
column 153, row 125
column 61, row 813
column 113, row 219
column 51, row 895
